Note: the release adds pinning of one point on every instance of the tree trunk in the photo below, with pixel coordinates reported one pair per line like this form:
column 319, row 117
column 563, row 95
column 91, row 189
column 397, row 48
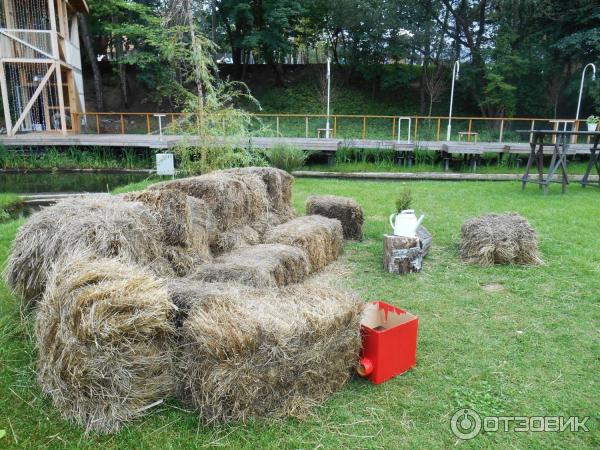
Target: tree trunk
column 122, row 73
column 87, row 43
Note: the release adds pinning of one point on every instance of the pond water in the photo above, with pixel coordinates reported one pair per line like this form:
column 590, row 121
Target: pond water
column 35, row 183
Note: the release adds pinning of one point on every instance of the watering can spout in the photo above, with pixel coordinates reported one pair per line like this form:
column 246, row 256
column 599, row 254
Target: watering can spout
column 419, row 222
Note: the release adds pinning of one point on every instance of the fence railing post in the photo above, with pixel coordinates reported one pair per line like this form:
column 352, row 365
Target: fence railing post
column 97, row 123
column 364, row 130
column 335, row 126
column 277, row 126
column 306, row 126
column 439, row 128
column 501, row 130
column 469, row 131
column 148, row 124
column 416, row 128
column 122, row 124
column 393, row 128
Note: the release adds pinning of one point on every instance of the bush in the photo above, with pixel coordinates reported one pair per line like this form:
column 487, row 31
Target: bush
column 404, row 200
column 286, row 157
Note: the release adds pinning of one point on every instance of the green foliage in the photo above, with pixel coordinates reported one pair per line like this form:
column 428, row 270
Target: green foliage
column 75, row 158
column 404, row 200
column 286, row 157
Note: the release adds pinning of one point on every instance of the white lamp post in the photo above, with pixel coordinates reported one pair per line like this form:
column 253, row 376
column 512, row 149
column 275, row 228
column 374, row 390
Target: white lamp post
column 328, row 96
column 455, row 74
column 581, row 87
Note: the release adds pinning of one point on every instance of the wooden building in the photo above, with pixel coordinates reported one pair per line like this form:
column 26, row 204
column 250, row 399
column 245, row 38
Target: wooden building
column 40, row 65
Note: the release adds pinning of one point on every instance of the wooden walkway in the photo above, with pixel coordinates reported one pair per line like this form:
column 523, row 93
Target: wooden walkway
column 310, row 144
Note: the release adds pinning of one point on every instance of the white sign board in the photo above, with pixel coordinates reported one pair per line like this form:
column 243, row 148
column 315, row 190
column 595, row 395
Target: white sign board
column 165, row 164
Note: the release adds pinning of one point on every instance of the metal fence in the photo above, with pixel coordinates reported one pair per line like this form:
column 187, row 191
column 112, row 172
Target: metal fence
column 342, row 126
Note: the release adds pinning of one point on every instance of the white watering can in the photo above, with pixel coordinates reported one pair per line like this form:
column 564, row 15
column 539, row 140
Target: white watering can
column 405, row 223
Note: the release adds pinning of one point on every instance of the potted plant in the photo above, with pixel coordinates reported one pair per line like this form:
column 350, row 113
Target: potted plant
column 592, row 123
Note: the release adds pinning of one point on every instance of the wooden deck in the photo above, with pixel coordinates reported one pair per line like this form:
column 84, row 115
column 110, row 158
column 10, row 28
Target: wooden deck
column 309, row 144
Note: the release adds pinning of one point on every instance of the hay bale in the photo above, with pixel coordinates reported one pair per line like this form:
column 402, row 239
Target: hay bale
column 103, row 225
column 279, row 185
column 321, row 238
column 256, row 353
column 345, row 209
column 172, row 211
column 499, row 239
column 235, row 201
column 267, row 265
column 104, row 337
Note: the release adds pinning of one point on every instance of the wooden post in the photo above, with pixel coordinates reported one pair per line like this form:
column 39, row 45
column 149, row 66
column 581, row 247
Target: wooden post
column 402, row 255
column 5, row 103
column 335, row 126
column 306, row 126
column 439, row 128
column 364, row 130
column 470, row 127
column 501, row 130
column 97, row 123
column 416, row 127
column 393, row 128
column 277, row 122
column 122, row 124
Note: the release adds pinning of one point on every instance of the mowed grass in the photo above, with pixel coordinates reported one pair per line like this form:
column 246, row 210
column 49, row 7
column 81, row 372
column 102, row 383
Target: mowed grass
column 531, row 349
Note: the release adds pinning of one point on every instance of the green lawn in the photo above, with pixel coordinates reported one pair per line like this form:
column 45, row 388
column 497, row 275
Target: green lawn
column 531, row 349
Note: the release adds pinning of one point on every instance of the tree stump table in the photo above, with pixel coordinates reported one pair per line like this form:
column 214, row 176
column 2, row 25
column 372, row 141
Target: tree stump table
column 404, row 255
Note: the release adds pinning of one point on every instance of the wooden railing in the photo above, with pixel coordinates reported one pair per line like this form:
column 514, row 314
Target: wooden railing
column 343, row 126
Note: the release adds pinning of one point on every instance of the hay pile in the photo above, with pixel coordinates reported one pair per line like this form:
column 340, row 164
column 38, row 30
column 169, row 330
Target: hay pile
column 234, row 200
column 187, row 225
column 267, row 265
column 345, row 209
column 102, row 225
column 104, row 336
column 279, row 185
column 272, row 353
column 321, row 238
column 499, row 239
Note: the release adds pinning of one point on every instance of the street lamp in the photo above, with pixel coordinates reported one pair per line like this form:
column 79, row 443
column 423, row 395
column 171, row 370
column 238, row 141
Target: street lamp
column 328, row 96
column 455, row 75
column 581, row 88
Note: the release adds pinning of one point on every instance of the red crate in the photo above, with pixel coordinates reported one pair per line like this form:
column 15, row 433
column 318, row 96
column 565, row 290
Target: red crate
column 389, row 337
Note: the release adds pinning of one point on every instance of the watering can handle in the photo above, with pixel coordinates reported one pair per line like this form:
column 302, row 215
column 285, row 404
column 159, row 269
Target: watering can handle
column 392, row 218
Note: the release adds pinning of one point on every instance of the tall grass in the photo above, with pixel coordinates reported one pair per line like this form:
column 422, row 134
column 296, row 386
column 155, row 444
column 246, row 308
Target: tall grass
column 75, row 158
column 286, row 157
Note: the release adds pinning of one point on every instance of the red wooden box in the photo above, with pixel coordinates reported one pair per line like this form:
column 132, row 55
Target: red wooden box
column 389, row 342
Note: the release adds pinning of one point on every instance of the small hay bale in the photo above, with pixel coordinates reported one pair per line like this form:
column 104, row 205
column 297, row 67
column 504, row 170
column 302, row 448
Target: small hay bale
column 321, row 238
column 345, row 209
column 279, row 185
column 267, row 265
column 499, row 239
column 235, row 201
column 267, row 353
column 103, row 225
column 104, row 337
